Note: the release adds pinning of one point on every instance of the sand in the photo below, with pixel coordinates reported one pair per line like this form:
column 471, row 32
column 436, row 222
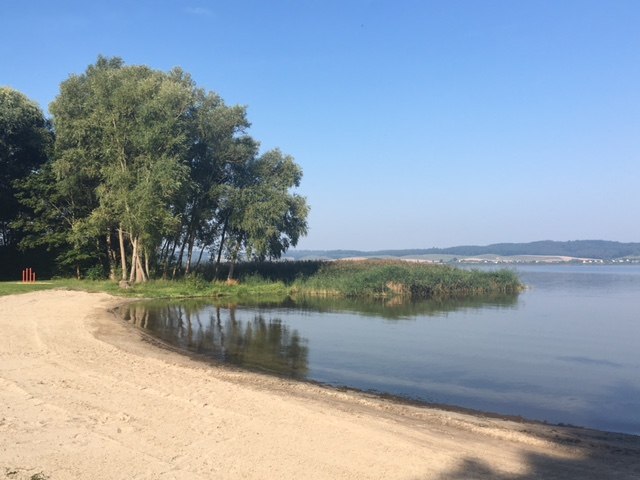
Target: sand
column 83, row 395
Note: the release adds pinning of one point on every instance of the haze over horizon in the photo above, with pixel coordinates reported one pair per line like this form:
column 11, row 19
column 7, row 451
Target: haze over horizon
column 445, row 247
column 417, row 124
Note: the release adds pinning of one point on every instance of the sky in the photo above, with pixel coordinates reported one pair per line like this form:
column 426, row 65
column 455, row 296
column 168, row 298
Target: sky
column 417, row 124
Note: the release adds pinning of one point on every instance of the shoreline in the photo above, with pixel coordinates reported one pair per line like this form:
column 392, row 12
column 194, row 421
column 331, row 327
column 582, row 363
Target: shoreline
column 399, row 400
column 85, row 395
column 205, row 361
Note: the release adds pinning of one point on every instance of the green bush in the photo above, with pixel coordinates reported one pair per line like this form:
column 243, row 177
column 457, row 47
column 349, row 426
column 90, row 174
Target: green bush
column 95, row 273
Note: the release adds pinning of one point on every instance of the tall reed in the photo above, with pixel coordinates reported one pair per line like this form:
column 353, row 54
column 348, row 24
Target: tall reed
column 380, row 278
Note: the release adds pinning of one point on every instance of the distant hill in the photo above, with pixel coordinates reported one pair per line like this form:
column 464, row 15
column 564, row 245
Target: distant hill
column 597, row 249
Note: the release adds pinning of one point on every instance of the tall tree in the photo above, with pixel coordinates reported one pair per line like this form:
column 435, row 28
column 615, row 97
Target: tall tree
column 25, row 141
column 148, row 168
column 129, row 137
column 217, row 142
column 265, row 218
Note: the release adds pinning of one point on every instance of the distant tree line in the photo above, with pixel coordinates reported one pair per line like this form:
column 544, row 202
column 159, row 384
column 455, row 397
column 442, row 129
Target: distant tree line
column 138, row 174
column 600, row 249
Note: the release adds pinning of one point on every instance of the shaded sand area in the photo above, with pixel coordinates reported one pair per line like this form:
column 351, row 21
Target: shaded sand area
column 82, row 395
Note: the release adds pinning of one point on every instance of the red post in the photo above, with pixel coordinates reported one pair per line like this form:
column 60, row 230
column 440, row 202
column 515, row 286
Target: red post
column 28, row 275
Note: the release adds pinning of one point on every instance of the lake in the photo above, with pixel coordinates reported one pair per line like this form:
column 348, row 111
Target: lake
column 567, row 350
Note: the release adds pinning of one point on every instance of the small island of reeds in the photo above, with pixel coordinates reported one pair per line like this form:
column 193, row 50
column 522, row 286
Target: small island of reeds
column 384, row 278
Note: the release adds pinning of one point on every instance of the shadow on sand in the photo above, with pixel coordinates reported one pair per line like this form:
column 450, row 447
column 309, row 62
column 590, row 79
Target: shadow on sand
column 582, row 454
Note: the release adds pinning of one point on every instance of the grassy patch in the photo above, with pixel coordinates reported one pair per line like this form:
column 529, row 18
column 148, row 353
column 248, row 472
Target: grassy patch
column 192, row 287
column 381, row 278
column 371, row 278
column 12, row 288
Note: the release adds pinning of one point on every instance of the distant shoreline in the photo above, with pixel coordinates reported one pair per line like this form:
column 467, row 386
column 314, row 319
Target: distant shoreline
column 495, row 260
column 577, row 250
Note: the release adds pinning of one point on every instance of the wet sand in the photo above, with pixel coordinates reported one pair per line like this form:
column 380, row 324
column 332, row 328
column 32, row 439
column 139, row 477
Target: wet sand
column 83, row 395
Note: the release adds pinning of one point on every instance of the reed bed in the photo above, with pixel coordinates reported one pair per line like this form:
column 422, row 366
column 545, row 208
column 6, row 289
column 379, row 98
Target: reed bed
column 344, row 278
column 383, row 278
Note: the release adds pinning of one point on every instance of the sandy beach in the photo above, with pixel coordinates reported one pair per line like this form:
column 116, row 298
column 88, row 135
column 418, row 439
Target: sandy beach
column 84, row 395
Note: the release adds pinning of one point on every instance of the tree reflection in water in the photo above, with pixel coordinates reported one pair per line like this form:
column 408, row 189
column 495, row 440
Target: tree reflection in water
column 254, row 341
column 217, row 333
column 246, row 338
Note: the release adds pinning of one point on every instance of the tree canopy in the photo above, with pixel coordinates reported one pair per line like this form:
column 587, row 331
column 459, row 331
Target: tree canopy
column 147, row 169
column 25, row 138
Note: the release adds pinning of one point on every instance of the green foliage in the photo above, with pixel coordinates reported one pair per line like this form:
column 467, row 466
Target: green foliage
column 263, row 217
column 343, row 279
column 95, row 272
column 25, row 141
column 281, row 271
column 146, row 168
column 123, row 132
column 183, row 288
column 414, row 280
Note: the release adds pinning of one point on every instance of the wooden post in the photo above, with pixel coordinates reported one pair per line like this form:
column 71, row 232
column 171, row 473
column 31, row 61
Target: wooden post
column 28, row 275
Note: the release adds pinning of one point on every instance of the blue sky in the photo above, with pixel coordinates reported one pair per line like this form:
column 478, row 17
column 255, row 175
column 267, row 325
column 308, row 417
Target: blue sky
column 417, row 123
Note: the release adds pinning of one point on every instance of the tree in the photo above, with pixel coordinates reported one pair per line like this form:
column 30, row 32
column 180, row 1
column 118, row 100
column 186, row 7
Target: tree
column 25, row 141
column 125, row 130
column 147, row 167
column 218, row 143
column 57, row 205
column 264, row 218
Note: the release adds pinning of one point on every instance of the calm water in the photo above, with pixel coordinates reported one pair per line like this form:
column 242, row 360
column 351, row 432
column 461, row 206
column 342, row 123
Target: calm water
column 565, row 351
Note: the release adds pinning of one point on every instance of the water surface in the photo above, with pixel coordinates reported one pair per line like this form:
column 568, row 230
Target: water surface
column 567, row 350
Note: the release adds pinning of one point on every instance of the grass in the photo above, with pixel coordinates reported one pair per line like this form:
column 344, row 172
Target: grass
column 12, row 288
column 158, row 288
column 383, row 278
column 371, row 278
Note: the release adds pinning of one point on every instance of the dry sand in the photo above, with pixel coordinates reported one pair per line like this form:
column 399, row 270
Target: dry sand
column 83, row 395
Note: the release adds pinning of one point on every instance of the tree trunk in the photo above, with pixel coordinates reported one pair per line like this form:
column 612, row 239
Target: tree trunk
column 146, row 263
column 164, row 250
column 140, row 275
column 137, row 271
column 123, row 253
column 190, row 253
column 113, row 258
column 199, row 258
column 134, row 264
column 178, row 264
column 231, row 269
column 168, row 259
column 224, row 232
column 234, row 259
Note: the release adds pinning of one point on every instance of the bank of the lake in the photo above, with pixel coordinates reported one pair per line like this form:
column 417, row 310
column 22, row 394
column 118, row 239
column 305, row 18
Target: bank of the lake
column 274, row 281
column 563, row 351
column 85, row 396
column 182, row 288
